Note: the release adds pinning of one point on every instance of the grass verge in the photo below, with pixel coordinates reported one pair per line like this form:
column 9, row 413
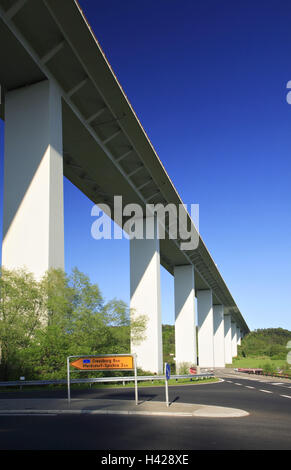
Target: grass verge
column 256, row 362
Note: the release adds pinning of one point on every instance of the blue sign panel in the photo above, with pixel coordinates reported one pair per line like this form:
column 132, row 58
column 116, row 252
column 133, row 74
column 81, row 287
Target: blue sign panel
column 86, row 361
column 168, row 371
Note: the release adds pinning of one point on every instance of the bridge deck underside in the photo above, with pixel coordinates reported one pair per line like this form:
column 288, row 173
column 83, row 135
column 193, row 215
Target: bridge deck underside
column 106, row 151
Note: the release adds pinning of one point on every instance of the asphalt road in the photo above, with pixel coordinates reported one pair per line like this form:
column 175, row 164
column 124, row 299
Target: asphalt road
column 267, row 427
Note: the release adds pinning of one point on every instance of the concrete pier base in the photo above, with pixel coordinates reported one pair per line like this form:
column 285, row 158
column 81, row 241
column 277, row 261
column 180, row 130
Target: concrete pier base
column 185, row 322
column 145, row 299
column 205, row 328
column 218, row 323
column 233, row 339
column 227, row 339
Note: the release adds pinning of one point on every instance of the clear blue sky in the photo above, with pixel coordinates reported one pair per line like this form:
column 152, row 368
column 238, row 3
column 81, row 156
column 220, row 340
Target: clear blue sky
column 207, row 80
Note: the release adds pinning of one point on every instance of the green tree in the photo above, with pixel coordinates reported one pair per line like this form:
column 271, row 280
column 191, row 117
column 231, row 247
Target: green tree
column 265, row 342
column 42, row 323
column 168, row 332
column 51, row 344
column 21, row 312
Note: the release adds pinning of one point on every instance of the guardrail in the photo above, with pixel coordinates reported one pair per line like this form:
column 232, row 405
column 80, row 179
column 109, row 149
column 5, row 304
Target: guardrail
column 140, row 378
column 284, row 376
column 261, row 372
column 250, row 371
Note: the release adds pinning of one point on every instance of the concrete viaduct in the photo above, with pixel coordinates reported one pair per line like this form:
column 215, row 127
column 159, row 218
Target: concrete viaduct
column 66, row 114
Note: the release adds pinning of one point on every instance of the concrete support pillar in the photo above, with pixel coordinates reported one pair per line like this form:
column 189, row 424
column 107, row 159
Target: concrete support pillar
column 218, row 322
column 185, row 323
column 238, row 336
column 33, row 220
column 205, row 329
column 227, row 339
column 145, row 298
column 233, row 339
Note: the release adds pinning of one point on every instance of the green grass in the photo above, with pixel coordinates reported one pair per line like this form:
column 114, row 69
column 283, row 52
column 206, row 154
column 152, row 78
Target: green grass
column 257, row 362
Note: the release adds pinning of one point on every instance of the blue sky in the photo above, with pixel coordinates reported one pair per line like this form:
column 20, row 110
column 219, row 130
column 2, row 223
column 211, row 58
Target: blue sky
column 207, row 80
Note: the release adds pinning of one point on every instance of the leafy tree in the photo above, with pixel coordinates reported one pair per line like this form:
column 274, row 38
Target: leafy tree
column 46, row 355
column 21, row 312
column 42, row 323
column 265, row 342
column 169, row 345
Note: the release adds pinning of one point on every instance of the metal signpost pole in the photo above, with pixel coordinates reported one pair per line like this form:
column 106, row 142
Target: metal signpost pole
column 120, row 362
column 135, row 380
column 68, row 380
column 167, row 377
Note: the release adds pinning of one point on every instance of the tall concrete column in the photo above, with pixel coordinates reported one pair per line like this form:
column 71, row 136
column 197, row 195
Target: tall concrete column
column 33, row 221
column 185, row 323
column 233, row 339
column 218, row 322
column 205, row 328
column 238, row 336
column 145, row 298
column 227, row 339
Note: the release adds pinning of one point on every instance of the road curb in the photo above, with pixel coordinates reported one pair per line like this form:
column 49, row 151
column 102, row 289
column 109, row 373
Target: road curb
column 201, row 412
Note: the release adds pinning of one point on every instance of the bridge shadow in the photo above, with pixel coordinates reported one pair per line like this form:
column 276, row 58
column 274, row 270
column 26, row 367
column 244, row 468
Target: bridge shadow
column 118, row 394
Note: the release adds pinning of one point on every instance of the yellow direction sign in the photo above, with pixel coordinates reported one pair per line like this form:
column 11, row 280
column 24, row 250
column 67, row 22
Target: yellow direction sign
column 104, row 363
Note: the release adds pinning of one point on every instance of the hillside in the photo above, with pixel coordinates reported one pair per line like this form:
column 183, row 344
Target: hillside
column 168, row 332
column 264, row 348
column 270, row 342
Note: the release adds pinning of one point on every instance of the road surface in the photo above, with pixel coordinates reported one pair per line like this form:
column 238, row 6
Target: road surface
column 267, row 427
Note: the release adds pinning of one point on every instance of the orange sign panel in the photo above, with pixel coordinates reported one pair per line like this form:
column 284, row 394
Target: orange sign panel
column 104, row 363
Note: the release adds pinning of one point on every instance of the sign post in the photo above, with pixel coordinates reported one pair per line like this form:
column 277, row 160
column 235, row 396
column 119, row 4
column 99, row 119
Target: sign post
column 135, row 380
column 68, row 381
column 167, row 378
column 103, row 362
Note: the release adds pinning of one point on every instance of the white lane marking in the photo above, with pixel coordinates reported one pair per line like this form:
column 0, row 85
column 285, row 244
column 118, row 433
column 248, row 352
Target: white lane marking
column 285, row 396
column 248, row 386
column 266, row 391
column 280, row 383
column 235, row 383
